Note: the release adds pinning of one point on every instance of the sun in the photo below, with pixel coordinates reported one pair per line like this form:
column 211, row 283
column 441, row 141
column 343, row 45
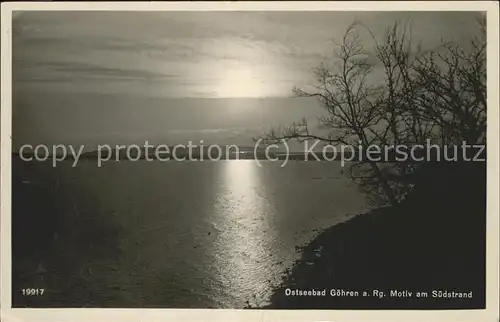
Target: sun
column 239, row 82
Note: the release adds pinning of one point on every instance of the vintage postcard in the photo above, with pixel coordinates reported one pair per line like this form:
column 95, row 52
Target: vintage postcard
column 253, row 161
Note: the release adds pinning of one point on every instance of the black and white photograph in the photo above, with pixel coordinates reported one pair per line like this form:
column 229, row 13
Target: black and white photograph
column 253, row 160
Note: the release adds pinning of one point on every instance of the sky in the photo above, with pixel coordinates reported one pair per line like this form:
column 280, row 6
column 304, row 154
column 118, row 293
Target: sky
column 168, row 77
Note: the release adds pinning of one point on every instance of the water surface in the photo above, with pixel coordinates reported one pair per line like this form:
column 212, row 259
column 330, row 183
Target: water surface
column 196, row 234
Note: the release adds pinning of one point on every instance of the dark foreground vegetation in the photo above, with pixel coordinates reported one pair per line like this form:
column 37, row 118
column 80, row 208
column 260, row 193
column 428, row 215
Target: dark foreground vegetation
column 435, row 240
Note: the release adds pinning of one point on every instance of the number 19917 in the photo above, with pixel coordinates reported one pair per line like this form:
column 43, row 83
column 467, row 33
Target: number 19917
column 32, row 291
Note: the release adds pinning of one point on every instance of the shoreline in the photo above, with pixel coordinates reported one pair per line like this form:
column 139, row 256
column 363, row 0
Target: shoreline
column 349, row 266
column 433, row 242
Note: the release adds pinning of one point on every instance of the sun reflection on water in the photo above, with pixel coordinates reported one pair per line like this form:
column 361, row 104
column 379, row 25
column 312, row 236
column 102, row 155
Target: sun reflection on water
column 243, row 246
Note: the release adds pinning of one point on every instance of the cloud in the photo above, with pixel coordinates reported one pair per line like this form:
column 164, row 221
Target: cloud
column 62, row 71
column 135, row 75
column 190, row 52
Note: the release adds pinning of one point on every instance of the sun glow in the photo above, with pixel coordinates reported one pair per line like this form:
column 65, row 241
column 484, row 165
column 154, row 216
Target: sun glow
column 240, row 82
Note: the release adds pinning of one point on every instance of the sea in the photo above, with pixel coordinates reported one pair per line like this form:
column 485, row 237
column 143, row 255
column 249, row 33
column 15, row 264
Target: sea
column 196, row 234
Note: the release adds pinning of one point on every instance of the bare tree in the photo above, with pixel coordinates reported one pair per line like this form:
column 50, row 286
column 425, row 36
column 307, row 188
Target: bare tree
column 438, row 95
column 451, row 90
